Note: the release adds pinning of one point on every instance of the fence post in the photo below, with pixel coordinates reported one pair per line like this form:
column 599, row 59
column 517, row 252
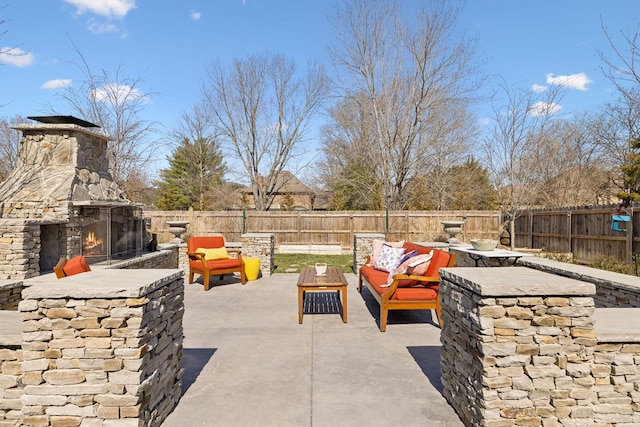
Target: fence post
column 569, row 232
column 531, row 229
column 406, row 226
column 244, row 221
column 630, row 235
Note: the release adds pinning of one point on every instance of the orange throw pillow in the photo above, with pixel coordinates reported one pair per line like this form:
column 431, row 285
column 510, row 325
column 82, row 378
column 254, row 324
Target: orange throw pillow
column 75, row 265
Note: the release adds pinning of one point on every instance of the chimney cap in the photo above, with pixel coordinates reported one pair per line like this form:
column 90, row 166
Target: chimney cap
column 63, row 120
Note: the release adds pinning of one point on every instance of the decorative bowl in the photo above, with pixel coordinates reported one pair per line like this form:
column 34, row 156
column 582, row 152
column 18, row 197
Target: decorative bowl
column 484, row 244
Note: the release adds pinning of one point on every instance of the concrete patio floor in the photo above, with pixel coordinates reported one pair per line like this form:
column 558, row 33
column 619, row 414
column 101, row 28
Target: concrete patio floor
column 249, row 363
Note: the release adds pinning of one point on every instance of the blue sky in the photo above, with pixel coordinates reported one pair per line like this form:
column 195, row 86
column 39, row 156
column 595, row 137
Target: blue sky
column 169, row 43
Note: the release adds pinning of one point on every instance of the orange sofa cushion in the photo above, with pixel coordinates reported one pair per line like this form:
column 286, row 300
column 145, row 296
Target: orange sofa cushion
column 415, row 293
column 376, row 278
column 75, row 265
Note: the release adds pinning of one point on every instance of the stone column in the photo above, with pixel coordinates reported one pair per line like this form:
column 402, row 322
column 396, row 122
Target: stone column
column 102, row 347
column 362, row 247
column 517, row 347
column 260, row 245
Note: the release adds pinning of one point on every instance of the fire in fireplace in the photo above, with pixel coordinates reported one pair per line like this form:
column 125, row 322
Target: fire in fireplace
column 92, row 245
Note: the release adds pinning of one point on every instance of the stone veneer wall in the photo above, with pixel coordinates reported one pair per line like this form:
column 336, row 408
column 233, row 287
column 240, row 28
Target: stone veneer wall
column 11, row 385
column 520, row 348
column 362, row 248
column 102, row 348
column 11, row 388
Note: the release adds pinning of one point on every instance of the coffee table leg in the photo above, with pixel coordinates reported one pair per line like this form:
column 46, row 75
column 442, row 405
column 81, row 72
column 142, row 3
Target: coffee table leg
column 300, row 304
column 344, row 303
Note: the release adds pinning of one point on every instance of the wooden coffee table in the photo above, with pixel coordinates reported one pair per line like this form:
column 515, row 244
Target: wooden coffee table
column 334, row 280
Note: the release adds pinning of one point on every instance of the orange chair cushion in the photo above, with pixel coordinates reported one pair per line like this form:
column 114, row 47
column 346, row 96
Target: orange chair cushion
column 75, row 265
column 219, row 264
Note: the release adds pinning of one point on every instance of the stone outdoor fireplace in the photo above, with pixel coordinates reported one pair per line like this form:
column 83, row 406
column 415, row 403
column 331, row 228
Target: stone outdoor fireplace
column 61, row 200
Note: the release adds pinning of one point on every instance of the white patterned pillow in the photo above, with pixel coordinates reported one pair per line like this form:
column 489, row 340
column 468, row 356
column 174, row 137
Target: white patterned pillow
column 389, row 257
column 377, row 247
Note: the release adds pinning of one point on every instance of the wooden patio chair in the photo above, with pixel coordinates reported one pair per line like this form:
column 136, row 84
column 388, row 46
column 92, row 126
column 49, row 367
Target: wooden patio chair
column 209, row 257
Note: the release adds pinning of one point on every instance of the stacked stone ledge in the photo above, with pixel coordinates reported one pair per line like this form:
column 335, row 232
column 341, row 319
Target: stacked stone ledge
column 10, row 291
column 103, row 348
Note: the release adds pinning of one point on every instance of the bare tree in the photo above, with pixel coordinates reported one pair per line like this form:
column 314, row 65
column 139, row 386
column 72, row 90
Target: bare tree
column 9, row 144
column 347, row 166
column 571, row 171
column 115, row 102
column 408, row 76
column 615, row 130
column 262, row 109
column 623, row 68
column 514, row 149
column 622, row 136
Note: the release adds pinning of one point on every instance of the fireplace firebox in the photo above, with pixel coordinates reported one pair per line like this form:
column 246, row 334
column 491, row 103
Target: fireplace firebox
column 111, row 232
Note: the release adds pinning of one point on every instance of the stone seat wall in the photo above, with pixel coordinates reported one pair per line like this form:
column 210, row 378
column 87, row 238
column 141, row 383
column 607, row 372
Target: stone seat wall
column 96, row 348
column 612, row 289
column 525, row 347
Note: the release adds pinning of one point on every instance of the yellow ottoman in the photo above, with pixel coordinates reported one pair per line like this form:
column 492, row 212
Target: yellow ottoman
column 251, row 267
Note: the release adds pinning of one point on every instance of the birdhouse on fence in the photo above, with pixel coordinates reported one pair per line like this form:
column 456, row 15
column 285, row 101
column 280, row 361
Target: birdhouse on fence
column 618, row 220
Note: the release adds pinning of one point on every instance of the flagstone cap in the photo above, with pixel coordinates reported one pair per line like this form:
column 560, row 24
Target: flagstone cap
column 515, row 281
column 100, row 283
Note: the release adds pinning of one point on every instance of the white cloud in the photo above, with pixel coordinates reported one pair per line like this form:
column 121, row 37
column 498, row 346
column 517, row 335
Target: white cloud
column 117, row 9
column 102, row 28
column 121, row 94
column 16, row 57
column 538, row 88
column 195, row 16
column 56, row 84
column 541, row 108
column 573, row 81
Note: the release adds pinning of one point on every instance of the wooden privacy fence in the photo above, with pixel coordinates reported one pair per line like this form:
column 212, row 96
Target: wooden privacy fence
column 328, row 227
column 586, row 232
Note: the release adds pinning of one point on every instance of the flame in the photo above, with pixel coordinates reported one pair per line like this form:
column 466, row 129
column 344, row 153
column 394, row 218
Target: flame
column 92, row 244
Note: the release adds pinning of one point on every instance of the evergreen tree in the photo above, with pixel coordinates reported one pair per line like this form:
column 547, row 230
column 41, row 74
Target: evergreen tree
column 631, row 175
column 472, row 189
column 194, row 175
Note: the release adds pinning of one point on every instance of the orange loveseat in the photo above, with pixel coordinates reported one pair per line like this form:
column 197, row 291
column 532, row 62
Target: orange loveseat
column 406, row 291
